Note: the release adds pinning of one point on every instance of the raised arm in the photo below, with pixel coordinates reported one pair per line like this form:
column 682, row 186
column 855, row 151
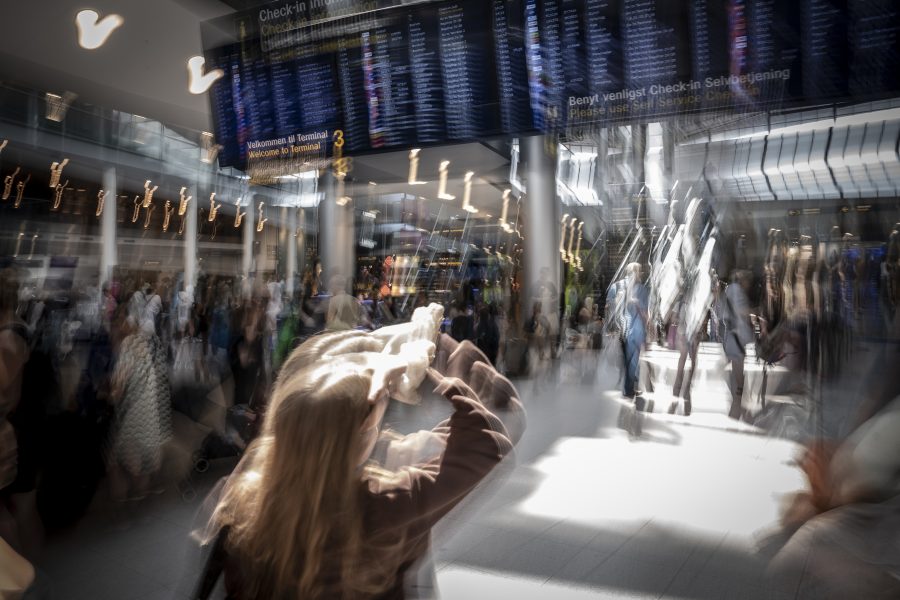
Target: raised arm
column 476, row 441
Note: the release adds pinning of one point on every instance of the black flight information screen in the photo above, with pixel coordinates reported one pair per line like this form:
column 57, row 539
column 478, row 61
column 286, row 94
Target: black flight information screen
column 296, row 72
column 394, row 78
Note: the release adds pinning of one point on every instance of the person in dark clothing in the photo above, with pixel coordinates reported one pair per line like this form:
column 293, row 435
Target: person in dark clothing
column 462, row 325
column 247, row 355
column 487, row 334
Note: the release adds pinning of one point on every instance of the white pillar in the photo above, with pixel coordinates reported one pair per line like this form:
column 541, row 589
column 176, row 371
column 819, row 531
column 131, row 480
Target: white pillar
column 658, row 170
column 249, row 227
column 290, row 272
column 542, row 218
column 337, row 244
column 108, row 254
column 190, row 245
column 301, row 241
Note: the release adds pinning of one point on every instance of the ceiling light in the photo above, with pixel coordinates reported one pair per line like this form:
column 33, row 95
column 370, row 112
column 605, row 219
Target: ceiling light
column 562, row 236
column 569, row 256
column 57, row 105
column 467, row 193
column 442, row 182
column 413, row 178
column 209, row 149
column 577, row 255
column 93, row 33
column 505, row 211
column 198, row 82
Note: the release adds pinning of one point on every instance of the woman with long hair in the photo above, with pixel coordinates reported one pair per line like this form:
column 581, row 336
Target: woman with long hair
column 308, row 514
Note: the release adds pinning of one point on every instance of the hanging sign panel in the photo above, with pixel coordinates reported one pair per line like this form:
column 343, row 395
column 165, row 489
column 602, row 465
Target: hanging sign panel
column 393, row 78
column 300, row 76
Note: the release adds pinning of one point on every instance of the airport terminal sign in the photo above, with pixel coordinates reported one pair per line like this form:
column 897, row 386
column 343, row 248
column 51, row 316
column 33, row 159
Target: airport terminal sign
column 460, row 70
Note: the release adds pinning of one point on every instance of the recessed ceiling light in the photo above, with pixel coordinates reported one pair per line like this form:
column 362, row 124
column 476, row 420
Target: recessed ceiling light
column 93, row 31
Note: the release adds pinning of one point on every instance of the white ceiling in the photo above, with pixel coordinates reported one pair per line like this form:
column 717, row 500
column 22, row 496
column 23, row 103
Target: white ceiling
column 141, row 69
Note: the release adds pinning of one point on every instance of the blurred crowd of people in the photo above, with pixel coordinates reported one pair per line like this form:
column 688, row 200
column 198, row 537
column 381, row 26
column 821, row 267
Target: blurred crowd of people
column 146, row 356
column 822, row 311
column 136, row 382
column 127, row 387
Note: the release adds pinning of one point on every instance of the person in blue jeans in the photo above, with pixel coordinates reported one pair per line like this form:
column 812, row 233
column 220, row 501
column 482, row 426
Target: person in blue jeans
column 634, row 326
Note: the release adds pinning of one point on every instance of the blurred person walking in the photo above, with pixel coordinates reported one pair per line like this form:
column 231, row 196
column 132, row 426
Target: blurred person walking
column 343, row 309
column 634, row 327
column 462, row 323
column 538, row 333
column 692, row 310
column 546, row 292
column 738, row 333
column 248, row 365
column 487, row 333
column 145, row 308
column 142, row 421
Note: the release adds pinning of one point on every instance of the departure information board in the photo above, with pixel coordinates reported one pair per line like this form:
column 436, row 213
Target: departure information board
column 395, row 78
column 460, row 70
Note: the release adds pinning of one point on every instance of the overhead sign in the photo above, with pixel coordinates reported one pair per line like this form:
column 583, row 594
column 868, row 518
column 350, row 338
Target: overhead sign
column 460, row 70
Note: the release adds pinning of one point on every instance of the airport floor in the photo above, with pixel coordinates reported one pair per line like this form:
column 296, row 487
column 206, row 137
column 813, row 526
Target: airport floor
column 587, row 509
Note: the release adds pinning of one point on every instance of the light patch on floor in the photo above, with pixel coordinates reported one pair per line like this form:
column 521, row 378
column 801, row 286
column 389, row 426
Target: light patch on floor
column 694, row 478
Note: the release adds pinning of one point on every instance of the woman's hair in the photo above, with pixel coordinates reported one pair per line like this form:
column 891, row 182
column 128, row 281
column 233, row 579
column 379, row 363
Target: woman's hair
column 633, row 269
column 294, row 509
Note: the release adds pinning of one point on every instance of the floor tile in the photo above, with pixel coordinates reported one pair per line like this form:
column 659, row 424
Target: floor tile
column 624, row 573
column 582, row 564
column 494, row 551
